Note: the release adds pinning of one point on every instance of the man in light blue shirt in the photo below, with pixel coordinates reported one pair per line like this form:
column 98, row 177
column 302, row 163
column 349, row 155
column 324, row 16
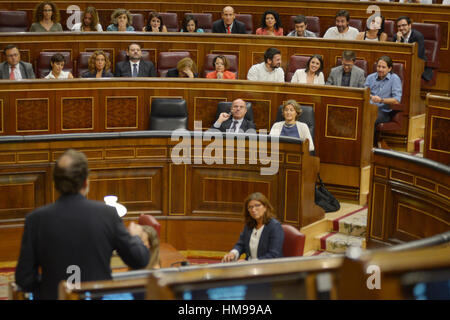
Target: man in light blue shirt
column 385, row 90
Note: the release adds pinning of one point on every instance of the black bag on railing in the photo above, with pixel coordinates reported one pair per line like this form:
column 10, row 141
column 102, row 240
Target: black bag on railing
column 324, row 198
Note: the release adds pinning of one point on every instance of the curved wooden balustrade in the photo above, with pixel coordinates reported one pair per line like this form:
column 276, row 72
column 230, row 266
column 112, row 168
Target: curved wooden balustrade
column 410, row 198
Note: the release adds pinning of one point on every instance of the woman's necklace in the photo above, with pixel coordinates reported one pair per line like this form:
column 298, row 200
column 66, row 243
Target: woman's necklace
column 287, row 125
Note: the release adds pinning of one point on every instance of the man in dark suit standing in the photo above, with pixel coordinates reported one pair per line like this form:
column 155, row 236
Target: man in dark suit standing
column 73, row 238
column 228, row 23
column 13, row 68
column 405, row 34
column 235, row 120
column 135, row 66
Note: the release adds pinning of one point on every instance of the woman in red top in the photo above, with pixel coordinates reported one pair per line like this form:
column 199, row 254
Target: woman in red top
column 220, row 63
column 270, row 24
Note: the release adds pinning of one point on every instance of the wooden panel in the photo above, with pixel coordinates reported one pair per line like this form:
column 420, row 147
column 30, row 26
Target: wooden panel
column 342, row 122
column 437, row 127
column 205, row 109
column 440, row 128
column 32, row 115
column 292, row 200
column 177, row 189
column 377, row 211
column 137, row 189
column 77, row 114
column 121, row 113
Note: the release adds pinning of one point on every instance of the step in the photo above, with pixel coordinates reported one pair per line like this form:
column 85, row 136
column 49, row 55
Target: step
column 353, row 223
column 338, row 242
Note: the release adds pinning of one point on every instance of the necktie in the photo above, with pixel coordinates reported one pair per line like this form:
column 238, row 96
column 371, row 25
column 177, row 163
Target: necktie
column 135, row 71
column 228, row 29
column 234, row 126
column 11, row 75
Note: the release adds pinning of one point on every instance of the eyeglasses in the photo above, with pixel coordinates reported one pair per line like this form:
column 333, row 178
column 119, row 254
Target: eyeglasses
column 255, row 206
column 12, row 55
column 47, row 10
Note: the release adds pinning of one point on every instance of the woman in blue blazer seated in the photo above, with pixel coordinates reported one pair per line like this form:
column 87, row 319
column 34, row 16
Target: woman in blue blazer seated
column 263, row 235
column 99, row 66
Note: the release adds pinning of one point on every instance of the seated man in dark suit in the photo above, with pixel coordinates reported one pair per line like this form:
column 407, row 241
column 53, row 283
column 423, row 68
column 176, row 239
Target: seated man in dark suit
column 135, row 66
column 228, row 23
column 405, row 34
column 73, row 239
column 235, row 120
column 13, row 68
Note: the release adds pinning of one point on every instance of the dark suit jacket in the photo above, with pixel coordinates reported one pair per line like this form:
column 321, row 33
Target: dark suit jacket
column 146, row 69
column 73, row 231
column 246, row 125
column 173, row 73
column 26, row 69
column 270, row 244
column 417, row 36
column 105, row 74
column 219, row 27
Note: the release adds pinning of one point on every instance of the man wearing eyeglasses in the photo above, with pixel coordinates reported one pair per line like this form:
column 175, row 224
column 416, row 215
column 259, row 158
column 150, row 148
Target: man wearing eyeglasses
column 347, row 74
column 406, row 34
column 234, row 121
column 13, row 68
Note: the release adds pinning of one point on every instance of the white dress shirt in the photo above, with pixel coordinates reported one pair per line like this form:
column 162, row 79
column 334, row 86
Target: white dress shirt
column 236, row 129
column 300, row 77
column 259, row 72
column 17, row 74
column 137, row 67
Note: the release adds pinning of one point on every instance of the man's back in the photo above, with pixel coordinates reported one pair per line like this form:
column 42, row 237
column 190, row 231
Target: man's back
column 73, row 232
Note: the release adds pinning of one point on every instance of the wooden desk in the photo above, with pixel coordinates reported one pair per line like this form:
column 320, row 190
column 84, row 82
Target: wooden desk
column 437, row 129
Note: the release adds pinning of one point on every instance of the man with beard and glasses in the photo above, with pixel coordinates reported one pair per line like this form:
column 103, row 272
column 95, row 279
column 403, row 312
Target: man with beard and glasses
column 270, row 69
column 135, row 66
column 342, row 30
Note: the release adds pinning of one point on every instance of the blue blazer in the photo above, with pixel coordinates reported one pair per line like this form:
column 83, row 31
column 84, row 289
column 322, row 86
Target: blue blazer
column 270, row 244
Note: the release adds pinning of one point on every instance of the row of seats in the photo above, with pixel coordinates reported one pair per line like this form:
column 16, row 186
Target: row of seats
column 166, row 61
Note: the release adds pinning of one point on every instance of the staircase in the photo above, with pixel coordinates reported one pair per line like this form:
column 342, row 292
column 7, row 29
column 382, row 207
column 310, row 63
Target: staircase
column 344, row 230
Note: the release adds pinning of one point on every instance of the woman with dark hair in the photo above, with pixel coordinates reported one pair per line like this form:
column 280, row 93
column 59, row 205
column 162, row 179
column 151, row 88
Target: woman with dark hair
column 312, row 74
column 374, row 30
column 220, row 63
column 290, row 127
column 57, row 64
column 121, row 20
column 270, row 24
column 46, row 18
column 89, row 21
column 190, row 24
column 186, row 68
column 99, row 66
column 263, row 236
column 155, row 23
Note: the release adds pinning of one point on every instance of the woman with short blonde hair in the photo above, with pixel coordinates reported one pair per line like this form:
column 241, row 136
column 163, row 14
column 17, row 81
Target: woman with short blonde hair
column 186, row 68
column 121, row 20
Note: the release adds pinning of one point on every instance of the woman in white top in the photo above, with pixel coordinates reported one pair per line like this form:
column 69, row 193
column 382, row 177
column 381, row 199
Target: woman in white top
column 374, row 30
column 290, row 127
column 312, row 74
column 89, row 21
column 57, row 64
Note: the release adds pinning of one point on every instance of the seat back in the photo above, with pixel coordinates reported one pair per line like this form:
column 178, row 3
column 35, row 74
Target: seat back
column 169, row 60
column 432, row 34
column 138, row 21
column 306, row 117
column 43, row 63
column 232, row 60
column 149, row 220
column 225, row 106
column 294, row 241
column 358, row 62
column 312, row 22
column 122, row 55
column 83, row 62
column 204, row 20
column 295, row 62
column 246, row 19
column 13, row 21
column 356, row 23
column 170, row 20
column 168, row 114
column 389, row 28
